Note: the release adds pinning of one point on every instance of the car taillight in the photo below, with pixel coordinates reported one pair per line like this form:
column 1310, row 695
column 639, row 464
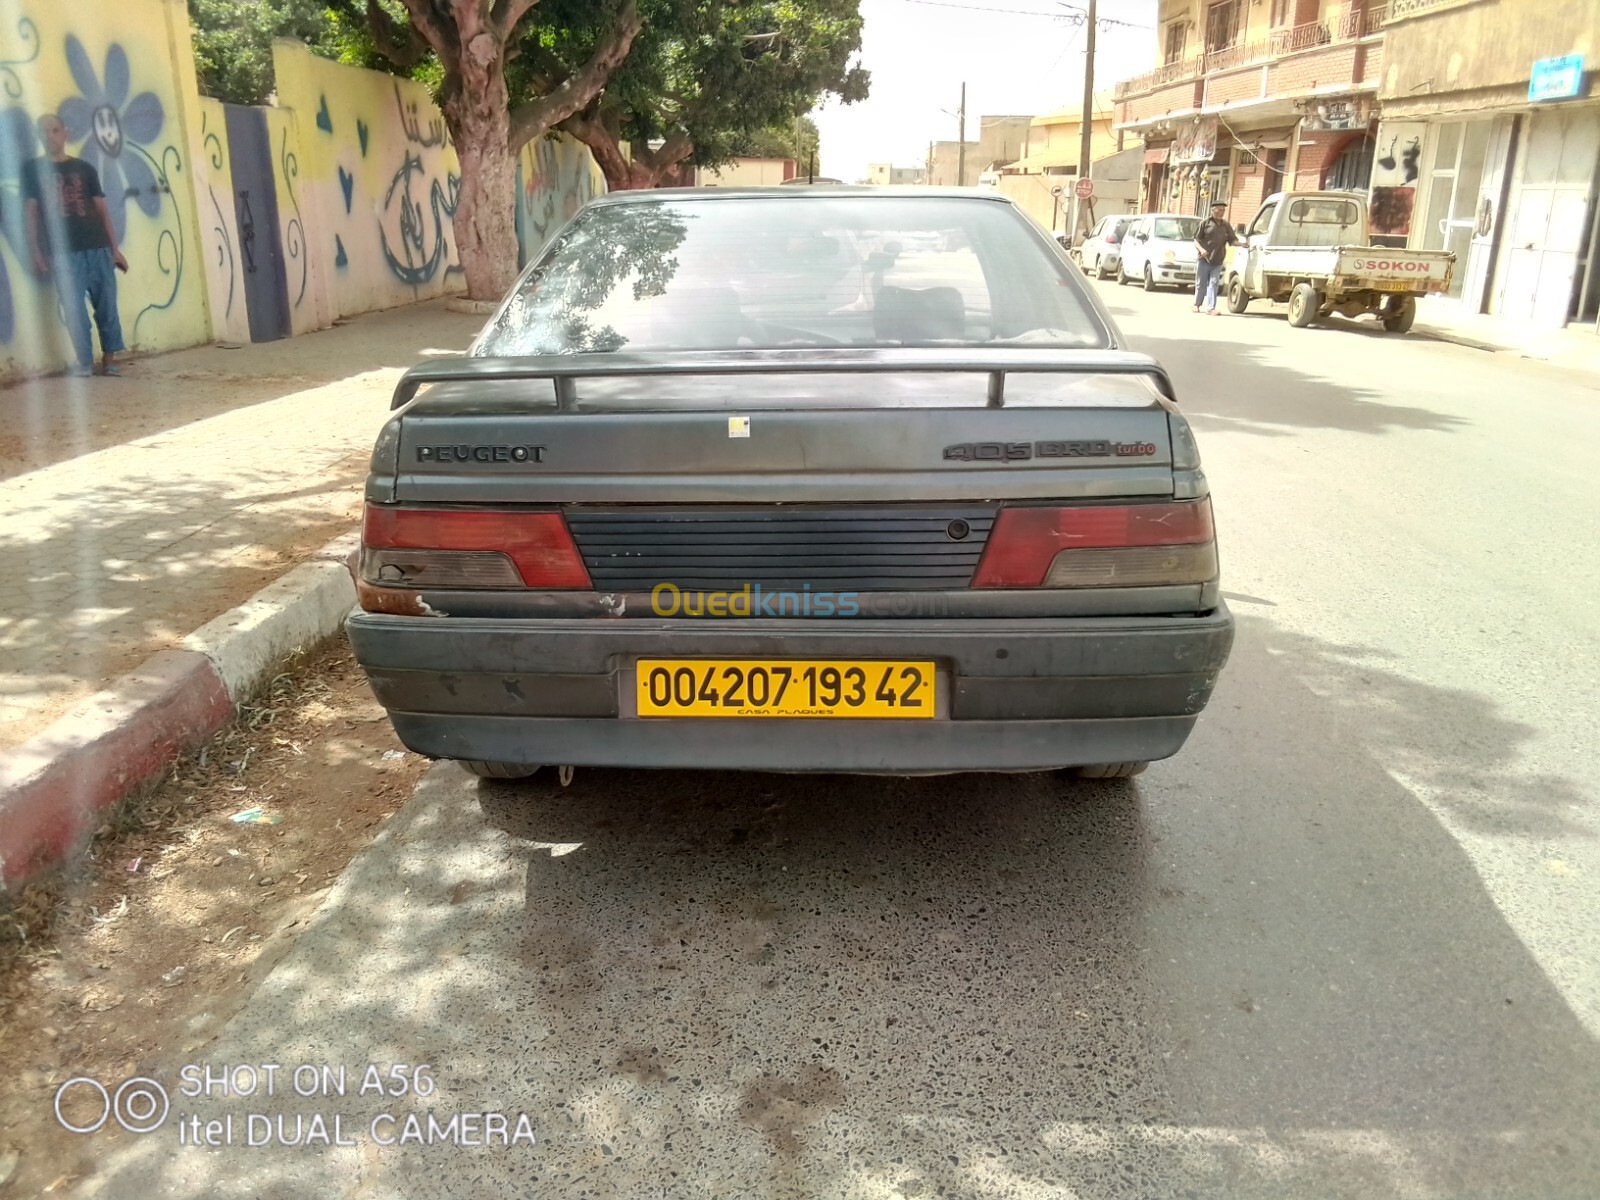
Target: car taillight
column 469, row 548
column 1111, row 239
column 1124, row 545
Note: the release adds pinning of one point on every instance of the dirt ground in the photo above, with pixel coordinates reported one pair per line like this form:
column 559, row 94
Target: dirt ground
column 163, row 931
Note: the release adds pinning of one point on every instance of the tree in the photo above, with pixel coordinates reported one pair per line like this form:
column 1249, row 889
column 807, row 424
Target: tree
column 233, row 42
column 706, row 76
column 490, row 109
column 799, row 140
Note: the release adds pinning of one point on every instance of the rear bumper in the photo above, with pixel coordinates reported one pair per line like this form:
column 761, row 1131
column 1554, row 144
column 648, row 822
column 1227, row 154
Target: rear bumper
column 1013, row 694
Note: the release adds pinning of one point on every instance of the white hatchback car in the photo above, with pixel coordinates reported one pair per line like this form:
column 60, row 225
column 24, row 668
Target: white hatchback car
column 1159, row 251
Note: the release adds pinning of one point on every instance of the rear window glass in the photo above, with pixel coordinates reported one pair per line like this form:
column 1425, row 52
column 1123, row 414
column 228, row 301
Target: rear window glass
column 780, row 272
column 1177, row 229
column 1323, row 212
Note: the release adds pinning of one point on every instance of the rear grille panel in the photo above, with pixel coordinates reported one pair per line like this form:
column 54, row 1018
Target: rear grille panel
column 881, row 548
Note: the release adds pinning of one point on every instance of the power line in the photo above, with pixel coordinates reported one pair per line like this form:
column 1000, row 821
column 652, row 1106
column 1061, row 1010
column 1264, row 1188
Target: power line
column 1076, row 16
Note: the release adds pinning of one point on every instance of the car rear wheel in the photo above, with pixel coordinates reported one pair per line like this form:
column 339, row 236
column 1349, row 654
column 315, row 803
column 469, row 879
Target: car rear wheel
column 1149, row 279
column 1238, row 298
column 1399, row 313
column 498, row 770
column 1122, row 274
column 1122, row 770
column 1303, row 305
column 1099, row 268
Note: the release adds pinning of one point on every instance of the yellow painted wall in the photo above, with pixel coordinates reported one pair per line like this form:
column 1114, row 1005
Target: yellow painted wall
column 375, row 188
column 129, row 62
column 221, row 255
column 555, row 177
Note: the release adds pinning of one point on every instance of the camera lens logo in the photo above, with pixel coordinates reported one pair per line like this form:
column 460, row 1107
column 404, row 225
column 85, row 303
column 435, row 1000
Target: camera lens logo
column 140, row 1105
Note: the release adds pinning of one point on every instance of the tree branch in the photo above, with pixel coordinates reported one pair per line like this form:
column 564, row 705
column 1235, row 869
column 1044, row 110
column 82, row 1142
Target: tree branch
column 438, row 34
column 400, row 44
column 537, row 117
column 508, row 14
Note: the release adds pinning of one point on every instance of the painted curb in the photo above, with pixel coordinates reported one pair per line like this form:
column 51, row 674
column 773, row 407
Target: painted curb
column 54, row 786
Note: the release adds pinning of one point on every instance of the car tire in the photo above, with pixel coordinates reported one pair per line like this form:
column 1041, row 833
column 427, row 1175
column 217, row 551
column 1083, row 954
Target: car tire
column 1149, row 279
column 1099, row 268
column 1399, row 313
column 1238, row 298
column 1304, row 304
column 498, row 770
column 1122, row 275
column 1122, row 770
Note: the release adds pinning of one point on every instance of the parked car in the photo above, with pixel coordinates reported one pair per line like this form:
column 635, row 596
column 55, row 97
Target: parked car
column 1312, row 250
column 719, row 487
column 1158, row 250
column 1102, row 249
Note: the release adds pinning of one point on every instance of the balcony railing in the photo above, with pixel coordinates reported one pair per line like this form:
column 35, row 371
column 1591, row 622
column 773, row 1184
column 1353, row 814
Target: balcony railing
column 1349, row 25
column 1184, row 68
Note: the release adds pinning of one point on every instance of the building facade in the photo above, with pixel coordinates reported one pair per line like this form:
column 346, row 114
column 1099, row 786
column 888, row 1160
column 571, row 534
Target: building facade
column 1489, row 147
column 747, row 172
column 1251, row 96
column 889, row 175
column 1473, row 125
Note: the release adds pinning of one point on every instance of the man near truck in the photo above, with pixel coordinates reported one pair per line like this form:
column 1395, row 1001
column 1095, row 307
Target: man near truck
column 1212, row 240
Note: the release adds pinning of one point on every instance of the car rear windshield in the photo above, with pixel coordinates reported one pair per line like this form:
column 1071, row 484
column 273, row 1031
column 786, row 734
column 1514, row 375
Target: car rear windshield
column 776, row 272
column 1177, row 229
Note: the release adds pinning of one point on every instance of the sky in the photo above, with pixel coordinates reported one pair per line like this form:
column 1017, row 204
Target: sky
column 1016, row 56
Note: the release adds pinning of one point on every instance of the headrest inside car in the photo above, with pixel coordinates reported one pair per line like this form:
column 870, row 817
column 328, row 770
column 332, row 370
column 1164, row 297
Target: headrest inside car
column 919, row 315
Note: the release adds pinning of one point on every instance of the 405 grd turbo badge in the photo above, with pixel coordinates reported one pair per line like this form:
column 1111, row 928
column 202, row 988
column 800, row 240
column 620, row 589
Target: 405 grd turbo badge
column 1021, row 451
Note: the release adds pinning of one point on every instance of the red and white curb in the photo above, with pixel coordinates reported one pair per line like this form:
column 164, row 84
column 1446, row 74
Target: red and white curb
column 54, row 787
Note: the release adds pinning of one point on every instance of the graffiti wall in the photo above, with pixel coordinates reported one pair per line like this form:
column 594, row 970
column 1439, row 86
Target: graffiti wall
column 238, row 224
column 121, row 79
column 554, row 178
column 375, row 181
column 222, row 256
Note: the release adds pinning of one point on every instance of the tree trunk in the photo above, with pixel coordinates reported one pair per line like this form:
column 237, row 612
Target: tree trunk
column 486, row 212
column 644, row 169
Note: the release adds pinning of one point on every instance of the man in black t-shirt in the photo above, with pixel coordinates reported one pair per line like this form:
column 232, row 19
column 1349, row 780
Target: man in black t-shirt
column 73, row 241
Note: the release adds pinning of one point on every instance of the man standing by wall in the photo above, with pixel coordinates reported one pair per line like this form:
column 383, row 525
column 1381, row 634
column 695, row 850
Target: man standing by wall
column 73, row 240
column 1212, row 241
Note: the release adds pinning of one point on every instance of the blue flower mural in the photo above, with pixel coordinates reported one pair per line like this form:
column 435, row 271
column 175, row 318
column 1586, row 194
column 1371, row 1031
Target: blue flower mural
column 17, row 145
column 110, row 124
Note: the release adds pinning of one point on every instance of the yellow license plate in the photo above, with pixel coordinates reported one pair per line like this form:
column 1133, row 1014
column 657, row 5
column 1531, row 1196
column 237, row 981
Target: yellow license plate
column 699, row 687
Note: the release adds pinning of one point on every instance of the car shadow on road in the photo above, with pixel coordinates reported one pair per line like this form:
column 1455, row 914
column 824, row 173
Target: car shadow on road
column 1266, row 968
column 1228, row 385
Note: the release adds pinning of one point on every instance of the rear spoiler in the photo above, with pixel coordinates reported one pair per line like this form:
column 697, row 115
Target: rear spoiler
column 564, row 369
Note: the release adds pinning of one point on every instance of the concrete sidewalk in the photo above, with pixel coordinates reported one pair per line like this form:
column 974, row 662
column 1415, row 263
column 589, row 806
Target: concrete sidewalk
column 240, row 464
column 1576, row 348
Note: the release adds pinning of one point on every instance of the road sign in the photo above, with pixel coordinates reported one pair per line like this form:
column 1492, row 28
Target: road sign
column 1057, row 190
column 1084, row 189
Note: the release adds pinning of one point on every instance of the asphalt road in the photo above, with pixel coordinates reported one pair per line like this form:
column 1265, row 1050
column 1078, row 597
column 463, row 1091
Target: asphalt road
column 1346, row 945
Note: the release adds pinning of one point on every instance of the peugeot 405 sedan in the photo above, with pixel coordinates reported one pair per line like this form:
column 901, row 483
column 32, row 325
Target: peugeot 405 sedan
column 839, row 479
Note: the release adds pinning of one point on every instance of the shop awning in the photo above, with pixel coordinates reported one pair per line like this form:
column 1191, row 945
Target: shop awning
column 1044, row 163
column 1153, row 157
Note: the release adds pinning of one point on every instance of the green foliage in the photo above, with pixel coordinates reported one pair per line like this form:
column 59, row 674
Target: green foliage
column 233, row 42
column 797, row 139
column 722, row 75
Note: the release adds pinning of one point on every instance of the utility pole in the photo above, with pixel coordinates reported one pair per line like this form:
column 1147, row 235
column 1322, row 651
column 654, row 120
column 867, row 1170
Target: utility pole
column 927, row 177
column 961, row 142
column 1085, row 147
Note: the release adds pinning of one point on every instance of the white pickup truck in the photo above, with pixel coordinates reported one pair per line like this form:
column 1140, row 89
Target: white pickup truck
column 1311, row 249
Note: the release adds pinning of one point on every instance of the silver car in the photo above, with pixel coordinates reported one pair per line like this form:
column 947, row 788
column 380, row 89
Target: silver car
column 1102, row 249
column 751, row 479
